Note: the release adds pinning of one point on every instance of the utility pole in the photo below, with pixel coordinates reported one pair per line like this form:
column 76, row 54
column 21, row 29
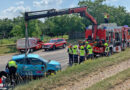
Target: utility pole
column 26, row 39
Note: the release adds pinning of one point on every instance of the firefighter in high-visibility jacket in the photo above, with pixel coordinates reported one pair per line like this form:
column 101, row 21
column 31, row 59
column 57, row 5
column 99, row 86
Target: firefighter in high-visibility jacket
column 82, row 54
column 12, row 66
column 90, row 52
column 86, row 50
column 70, row 53
column 75, row 54
column 107, row 49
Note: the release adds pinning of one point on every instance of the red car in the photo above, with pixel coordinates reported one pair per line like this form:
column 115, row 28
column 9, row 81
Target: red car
column 55, row 43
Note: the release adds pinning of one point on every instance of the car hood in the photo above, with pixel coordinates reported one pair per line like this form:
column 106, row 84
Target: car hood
column 48, row 43
column 53, row 62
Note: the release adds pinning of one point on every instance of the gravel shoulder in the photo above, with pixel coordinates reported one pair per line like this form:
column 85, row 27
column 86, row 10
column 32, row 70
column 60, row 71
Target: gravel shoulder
column 122, row 86
column 93, row 78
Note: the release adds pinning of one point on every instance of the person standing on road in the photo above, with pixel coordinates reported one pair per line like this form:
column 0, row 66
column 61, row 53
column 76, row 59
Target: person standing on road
column 107, row 50
column 106, row 17
column 90, row 52
column 82, row 54
column 86, row 50
column 12, row 67
column 75, row 54
column 70, row 52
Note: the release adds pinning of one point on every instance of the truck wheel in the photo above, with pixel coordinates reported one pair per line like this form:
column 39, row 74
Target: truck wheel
column 64, row 45
column 54, row 47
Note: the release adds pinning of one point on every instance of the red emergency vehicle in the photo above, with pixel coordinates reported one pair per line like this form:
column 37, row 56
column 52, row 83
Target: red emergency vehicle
column 118, row 37
column 33, row 44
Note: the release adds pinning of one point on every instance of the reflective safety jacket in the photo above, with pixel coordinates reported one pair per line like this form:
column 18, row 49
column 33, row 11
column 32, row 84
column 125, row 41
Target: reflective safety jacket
column 107, row 49
column 70, row 51
column 82, row 52
column 75, row 51
column 105, row 16
column 12, row 64
column 90, row 51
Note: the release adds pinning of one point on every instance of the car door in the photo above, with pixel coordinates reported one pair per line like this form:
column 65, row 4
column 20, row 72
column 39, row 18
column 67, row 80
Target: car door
column 24, row 67
column 58, row 43
column 38, row 66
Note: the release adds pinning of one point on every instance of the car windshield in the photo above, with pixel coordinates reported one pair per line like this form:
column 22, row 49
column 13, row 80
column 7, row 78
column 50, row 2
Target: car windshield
column 43, row 59
column 52, row 41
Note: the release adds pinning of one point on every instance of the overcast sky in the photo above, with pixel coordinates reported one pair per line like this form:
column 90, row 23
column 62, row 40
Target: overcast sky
column 12, row 8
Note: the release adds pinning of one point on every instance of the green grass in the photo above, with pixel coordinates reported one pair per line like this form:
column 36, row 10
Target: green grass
column 6, row 49
column 73, row 73
column 109, row 83
column 8, row 41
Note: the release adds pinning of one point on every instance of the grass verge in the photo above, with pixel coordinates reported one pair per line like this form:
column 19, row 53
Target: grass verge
column 109, row 83
column 75, row 72
column 5, row 49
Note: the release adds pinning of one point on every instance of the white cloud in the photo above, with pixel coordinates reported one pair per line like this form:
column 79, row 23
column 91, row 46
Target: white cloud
column 72, row 6
column 111, row 1
column 13, row 11
column 47, row 3
column 20, row 3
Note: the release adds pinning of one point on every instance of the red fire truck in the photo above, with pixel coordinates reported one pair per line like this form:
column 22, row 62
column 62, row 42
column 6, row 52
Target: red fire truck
column 118, row 37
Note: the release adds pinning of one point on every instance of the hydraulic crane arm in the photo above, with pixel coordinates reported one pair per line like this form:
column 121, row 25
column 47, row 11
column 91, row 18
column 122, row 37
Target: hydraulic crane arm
column 54, row 12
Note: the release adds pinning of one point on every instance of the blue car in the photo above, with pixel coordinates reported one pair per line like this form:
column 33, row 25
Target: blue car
column 34, row 65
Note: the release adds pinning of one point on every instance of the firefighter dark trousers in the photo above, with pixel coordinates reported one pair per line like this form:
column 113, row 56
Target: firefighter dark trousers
column 12, row 73
column 82, row 59
column 70, row 59
column 90, row 56
column 105, row 20
column 75, row 58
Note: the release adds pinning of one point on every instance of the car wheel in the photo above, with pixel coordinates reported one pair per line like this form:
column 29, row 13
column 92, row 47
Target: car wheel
column 51, row 72
column 54, row 47
column 64, row 45
column 45, row 49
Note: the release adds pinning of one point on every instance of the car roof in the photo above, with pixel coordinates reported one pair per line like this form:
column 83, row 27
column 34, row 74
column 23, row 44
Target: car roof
column 56, row 38
column 23, row 56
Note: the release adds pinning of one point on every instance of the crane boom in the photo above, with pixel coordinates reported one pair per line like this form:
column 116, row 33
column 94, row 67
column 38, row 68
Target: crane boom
column 54, row 12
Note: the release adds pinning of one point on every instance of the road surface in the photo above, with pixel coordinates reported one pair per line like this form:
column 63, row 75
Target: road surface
column 59, row 55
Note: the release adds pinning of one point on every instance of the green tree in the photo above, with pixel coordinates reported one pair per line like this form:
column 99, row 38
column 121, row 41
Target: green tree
column 17, row 31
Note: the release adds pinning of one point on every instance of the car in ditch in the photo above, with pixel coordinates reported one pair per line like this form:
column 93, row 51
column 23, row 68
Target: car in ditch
column 54, row 43
column 34, row 65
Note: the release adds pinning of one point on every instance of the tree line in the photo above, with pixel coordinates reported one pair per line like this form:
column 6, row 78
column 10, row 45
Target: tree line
column 61, row 25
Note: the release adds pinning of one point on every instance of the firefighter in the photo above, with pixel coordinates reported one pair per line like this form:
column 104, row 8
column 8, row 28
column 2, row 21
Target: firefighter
column 75, row 54
column 86, row 50
column 70, row 52
column 82, row 54
column 90, row 51
column 107, row 50
column 106, row 16
column 12, row 66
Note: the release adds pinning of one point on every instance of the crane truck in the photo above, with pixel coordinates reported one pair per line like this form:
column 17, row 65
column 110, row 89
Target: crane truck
column 118, row 37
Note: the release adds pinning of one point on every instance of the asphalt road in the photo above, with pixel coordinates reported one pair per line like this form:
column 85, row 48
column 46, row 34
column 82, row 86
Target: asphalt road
column 59, row 55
